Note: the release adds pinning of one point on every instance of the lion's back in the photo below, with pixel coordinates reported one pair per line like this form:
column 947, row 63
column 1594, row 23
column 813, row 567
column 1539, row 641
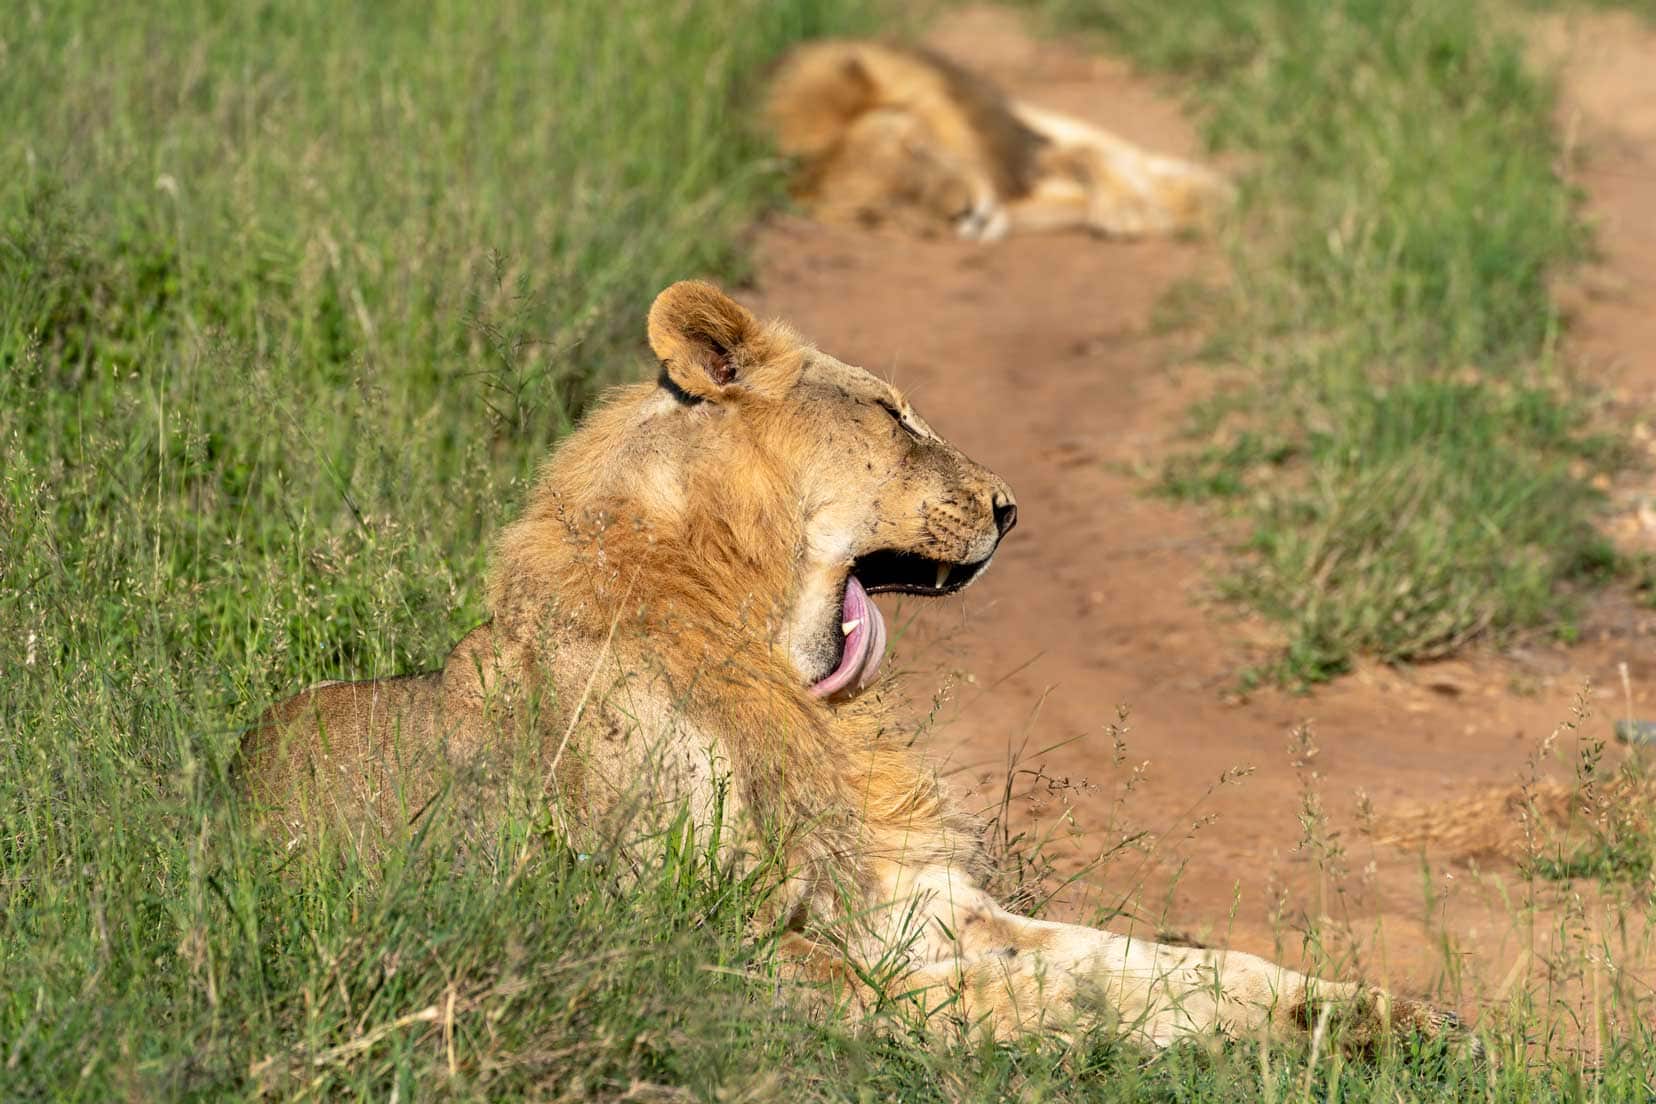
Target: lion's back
column 350, row 751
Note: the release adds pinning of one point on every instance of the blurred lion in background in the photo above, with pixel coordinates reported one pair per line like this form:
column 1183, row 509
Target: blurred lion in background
column 903, row 134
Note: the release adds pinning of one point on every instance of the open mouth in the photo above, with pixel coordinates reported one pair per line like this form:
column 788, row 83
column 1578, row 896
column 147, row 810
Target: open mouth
column 890, row 572
column 862, row 629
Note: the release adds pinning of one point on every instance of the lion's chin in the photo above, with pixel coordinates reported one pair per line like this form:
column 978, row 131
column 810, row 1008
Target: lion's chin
column 863, row 650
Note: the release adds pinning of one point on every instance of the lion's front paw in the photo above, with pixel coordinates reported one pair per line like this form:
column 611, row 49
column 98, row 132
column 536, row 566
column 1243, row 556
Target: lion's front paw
column 986, row 222
column 1415, row 1017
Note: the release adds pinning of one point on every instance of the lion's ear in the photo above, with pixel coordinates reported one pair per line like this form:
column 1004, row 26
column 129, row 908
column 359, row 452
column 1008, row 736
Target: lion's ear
column 704, row 338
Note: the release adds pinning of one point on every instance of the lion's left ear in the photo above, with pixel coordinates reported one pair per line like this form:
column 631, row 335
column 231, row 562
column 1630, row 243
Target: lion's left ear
column 704, row 338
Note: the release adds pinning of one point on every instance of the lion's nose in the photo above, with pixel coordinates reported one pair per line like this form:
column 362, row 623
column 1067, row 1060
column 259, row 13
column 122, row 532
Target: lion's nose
column 1006, row 512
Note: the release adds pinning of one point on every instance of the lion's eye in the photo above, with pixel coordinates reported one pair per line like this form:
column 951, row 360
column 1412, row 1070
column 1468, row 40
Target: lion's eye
column 897, row 416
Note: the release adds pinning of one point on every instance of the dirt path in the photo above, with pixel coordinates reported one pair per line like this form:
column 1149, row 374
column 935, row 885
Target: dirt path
column 1038, row 358
column 1607, row 116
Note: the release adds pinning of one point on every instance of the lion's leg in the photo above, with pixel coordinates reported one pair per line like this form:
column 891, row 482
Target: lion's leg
column 1160, row 993
column 1056, row 203
column 1130, row 190
column 1002, row 993
column 1063, row 976
column 1012, row 973
column 1175, row 995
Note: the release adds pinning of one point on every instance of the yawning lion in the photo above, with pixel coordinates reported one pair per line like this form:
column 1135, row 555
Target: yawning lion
column 682, row 619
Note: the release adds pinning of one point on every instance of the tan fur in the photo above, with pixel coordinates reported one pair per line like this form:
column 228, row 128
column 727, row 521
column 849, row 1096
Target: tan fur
column 889, row 132
column 655, row 637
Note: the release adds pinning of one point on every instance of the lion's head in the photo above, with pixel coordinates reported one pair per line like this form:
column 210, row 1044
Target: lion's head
column 889, row 167
column 763, row 480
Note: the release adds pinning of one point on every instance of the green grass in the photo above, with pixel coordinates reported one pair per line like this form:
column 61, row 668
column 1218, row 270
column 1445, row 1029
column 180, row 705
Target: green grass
column 1611, row 836
column 292, row 299
column 1410, row 460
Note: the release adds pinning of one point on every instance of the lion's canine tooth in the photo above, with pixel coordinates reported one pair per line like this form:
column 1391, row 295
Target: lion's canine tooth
column 942, row 575
column 848, row 627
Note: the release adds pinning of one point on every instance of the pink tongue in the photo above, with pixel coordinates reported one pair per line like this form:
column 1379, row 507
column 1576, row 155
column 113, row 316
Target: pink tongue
column 864, row 645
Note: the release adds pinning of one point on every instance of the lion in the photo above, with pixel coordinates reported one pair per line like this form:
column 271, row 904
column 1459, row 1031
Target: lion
column 900, row 133
column 682, row 619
